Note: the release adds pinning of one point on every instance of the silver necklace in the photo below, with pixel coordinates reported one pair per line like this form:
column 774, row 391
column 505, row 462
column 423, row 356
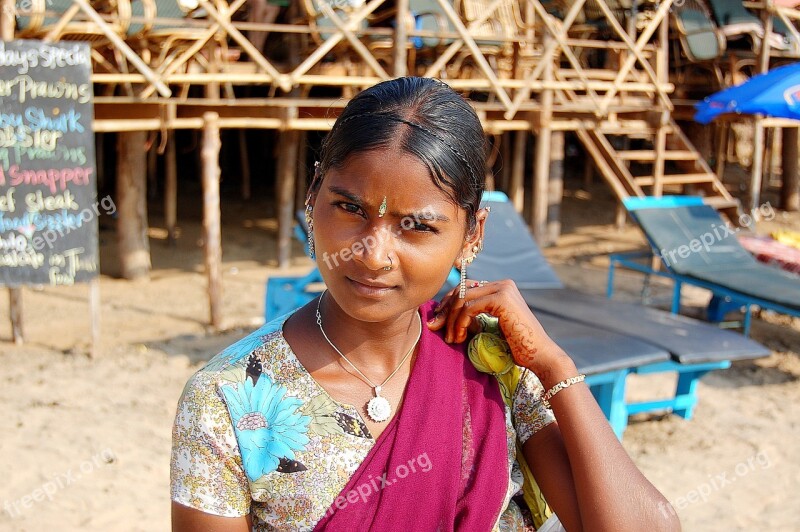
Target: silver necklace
column 378, row 408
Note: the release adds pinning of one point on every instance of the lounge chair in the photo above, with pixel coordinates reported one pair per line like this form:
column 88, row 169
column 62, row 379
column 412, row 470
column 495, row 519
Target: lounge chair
column 698, row 248
column 736, row 21
column 607, row 339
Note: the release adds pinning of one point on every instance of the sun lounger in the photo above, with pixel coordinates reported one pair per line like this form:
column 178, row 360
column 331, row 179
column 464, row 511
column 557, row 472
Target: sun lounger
column 697, row 247
column 694, row 347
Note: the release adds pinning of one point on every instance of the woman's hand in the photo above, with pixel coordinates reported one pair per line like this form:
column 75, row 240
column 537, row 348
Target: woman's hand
column 530, row 345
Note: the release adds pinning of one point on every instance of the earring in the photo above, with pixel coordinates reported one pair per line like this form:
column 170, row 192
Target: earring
column 462, row 286
column 310, row 224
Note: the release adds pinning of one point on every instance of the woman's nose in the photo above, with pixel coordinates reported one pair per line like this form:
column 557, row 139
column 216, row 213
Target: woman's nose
column 377, row 248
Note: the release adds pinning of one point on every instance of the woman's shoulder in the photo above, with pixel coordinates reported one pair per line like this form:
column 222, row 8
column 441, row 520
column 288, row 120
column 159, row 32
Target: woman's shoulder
column 258, row 345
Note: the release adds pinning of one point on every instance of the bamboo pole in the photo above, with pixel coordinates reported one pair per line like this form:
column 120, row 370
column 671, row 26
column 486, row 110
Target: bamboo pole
column 401, row 39
column 134, row 247
column 121, row 45
column 7, row 21
column 790, row 189
column 171, row 189
column 542, row 163
column 212, row 232
column 244, row 157
column 555, row 187
column 288, row 150
column 758, row 163
column 94, row 311
column 516, row 190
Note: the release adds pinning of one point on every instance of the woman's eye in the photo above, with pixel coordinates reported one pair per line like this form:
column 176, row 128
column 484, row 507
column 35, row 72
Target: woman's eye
column 419, row 227
column 349, row 207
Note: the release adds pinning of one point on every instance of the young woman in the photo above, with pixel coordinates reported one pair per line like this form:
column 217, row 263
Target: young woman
column 361, row 410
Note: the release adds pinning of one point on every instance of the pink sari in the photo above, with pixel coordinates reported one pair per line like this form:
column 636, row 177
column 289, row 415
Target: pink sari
column 442, row 462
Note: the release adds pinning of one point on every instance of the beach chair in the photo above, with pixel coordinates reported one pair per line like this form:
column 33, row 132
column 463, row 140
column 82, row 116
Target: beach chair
column 695, row 348
column 697, row 247
column 735, row 21
column 698, row 45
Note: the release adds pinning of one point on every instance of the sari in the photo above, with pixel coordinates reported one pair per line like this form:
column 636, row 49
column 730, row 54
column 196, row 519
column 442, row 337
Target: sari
column 442, row 461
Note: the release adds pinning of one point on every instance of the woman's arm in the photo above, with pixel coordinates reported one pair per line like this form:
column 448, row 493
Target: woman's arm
column 583, row 470
column 185, row 519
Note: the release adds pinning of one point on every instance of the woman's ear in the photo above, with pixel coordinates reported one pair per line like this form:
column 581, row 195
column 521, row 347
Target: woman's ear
column 473, row 243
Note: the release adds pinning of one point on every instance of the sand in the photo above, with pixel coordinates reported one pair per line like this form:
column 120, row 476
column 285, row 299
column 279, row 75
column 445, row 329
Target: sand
column 85, row 442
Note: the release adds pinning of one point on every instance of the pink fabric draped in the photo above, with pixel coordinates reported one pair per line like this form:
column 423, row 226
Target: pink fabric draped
column 442, row 462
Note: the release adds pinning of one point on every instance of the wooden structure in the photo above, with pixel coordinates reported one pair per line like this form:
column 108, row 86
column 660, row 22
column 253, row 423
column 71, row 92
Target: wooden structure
column 598, row 68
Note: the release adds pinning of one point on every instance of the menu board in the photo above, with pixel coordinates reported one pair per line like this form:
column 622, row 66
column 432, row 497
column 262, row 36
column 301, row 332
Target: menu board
column 48, row 191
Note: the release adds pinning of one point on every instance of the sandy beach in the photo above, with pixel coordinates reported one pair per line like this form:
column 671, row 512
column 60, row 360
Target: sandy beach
column 86, row 442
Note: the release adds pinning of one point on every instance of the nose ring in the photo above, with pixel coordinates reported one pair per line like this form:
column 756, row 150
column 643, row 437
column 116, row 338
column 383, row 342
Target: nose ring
column 389, row 267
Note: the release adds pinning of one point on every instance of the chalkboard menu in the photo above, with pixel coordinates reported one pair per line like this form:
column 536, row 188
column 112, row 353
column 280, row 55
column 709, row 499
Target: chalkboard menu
column 48, row 192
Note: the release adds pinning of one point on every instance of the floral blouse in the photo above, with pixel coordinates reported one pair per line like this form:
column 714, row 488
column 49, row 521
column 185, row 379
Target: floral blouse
column 282, row 449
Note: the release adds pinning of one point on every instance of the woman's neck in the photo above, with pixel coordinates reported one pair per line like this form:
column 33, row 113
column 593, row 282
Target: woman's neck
column 377, row 346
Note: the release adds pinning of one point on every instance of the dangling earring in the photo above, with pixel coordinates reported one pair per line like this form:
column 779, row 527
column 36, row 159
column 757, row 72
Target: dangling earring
column 462, row 286
column 310, row 224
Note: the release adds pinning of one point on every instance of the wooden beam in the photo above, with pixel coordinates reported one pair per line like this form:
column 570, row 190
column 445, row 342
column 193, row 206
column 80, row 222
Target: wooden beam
column 212, row 231
column 121, row 45
column 134, row 247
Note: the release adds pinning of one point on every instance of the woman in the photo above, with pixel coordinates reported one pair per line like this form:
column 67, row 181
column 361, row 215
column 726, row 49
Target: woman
column 361, row 410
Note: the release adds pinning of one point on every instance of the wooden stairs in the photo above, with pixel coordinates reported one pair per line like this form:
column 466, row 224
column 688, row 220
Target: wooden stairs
column 637, row 158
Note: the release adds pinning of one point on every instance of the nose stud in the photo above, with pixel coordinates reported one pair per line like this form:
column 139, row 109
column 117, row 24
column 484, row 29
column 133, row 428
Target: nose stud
column 389, row 267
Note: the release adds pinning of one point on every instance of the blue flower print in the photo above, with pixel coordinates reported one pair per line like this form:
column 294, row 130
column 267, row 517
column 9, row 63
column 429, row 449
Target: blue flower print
column 268, row 425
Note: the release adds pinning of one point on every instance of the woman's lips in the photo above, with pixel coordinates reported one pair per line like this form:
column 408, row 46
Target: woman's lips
column 370, row 289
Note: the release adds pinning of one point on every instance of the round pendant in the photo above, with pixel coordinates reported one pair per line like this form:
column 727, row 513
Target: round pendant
column 379, row 409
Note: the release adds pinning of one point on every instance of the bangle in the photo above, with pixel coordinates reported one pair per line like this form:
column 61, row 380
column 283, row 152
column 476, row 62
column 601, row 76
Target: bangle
column 566, row 383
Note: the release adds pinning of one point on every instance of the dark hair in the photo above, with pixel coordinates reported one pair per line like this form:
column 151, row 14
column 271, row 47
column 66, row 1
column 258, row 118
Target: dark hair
column 425, row 118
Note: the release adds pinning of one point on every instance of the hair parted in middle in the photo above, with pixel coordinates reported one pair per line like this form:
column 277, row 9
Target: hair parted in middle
column 425, row 118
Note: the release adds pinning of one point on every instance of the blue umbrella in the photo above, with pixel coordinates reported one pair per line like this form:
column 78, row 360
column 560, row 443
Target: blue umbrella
column 774, row 93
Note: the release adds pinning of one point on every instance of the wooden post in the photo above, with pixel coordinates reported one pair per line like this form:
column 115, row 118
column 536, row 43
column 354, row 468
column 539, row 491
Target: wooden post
column 758, row 162
column 245, row 161
column 516, row 191
column 134, row 247
column 790, row 189
column 505, row 158
column 15, row 310
column 152, row 170
column 7, row 21
column 401, row 39
column 94, row 311
column 171, row 189
column 542, row 163
column 212, row 232
column 555, row 187
column 288, row 146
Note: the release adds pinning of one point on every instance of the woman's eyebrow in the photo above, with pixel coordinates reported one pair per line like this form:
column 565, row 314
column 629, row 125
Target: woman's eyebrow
column 424, row 215
column 346, row 193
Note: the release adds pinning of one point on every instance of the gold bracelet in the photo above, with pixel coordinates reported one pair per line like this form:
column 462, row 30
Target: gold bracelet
column 566, row 383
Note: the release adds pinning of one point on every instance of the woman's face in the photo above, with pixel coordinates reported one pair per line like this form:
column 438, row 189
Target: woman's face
column 422, row 234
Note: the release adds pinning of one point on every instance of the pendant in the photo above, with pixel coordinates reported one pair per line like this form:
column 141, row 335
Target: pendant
column 378, row 408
